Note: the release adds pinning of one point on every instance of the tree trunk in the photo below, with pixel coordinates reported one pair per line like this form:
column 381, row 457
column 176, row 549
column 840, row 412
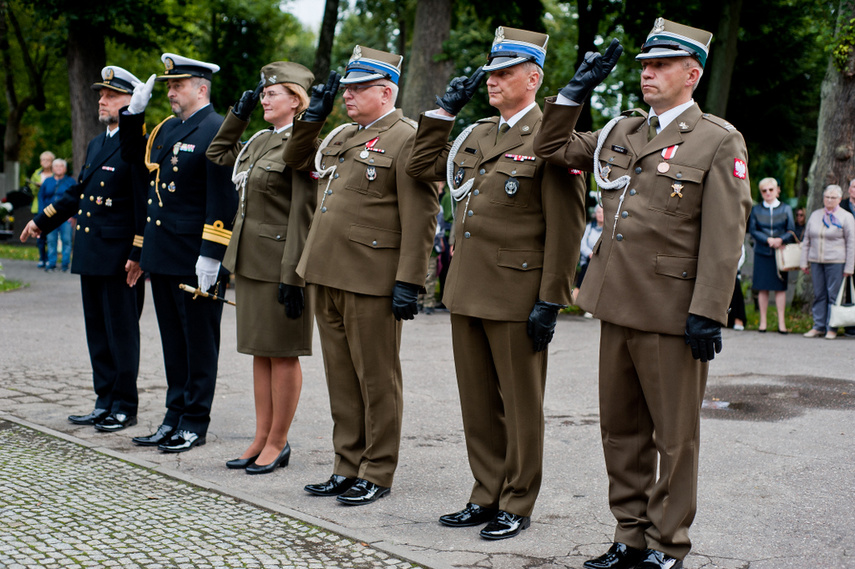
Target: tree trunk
column 86, row 56
column 724, row 59
column 834, row 157
column 590, row 13
column 427, row 78
column 325, row 42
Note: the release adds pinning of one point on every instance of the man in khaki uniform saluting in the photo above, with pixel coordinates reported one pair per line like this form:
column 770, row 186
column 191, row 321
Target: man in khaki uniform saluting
column 367, row 255
column 519, row 222
column 676, row 199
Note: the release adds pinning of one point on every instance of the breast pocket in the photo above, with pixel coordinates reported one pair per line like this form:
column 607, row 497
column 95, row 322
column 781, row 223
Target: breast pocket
column 269, row 176
column 678, row 190
column 517, row 180
column 370, row 175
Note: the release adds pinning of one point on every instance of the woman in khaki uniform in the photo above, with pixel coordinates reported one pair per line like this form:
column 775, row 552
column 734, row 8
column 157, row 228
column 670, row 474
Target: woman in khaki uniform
column 276, row 207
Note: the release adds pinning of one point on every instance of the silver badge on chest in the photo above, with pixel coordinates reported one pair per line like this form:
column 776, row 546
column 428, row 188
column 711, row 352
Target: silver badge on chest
column 511, row 186
column 371, row 173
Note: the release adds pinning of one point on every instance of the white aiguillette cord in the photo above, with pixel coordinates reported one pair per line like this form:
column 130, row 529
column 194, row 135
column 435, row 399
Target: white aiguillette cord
column 602, row 183
column 239, row 178
column 463, row 191
column 327, row 172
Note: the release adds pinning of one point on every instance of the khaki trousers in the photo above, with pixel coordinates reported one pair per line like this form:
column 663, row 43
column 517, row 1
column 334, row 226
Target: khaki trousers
column 651, row 390
column 360, row 341
column 501, row 380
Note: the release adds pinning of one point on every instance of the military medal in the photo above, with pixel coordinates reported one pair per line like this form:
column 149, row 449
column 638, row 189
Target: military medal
column 663, row 167
column 668, row 153
column 678, row 189
column 605, row 171
column 370, row 147
column 458, row 177
column 363, row 154
column 511, row 186
column 109, row 202
column 98, row 200
column 171, row 187
column 371, row 173
column 175, row 149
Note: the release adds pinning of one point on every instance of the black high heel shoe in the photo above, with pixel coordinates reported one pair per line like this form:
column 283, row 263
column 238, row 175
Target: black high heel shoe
column 240, row 463
column 281, row 460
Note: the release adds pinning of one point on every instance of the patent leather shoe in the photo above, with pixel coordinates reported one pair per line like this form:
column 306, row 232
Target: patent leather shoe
column 181, row 441
column 162, row 433
column 619, row 556
column 505, row 525
column 116, row 422
column 333, row 487
column 657, row 560
column 281, row 460
column 471, row 515
column 240, row 463
column 363, row 492
column 95, row 416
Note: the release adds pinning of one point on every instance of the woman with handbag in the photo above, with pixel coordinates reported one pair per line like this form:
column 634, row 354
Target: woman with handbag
column 771, row 226
column 829, row 247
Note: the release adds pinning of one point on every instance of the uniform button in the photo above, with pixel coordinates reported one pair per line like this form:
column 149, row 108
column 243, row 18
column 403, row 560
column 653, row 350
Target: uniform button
column 371, row 161
column 152, row 182
column 482, row 171
column 336, row 176
column 632, row 192
column 79, row 211
column 267, row 167
column 157, row 222
column 638, row 170
column 685, row 274
column 163, row 185
column 324, row 209
column 148, row 219
column 525, row 265
column 77, row 227
column 278, row 237
column 149, row 202
column 619, row 237
column 86, row 230
column 91, row 198
column 476, row 192
column 513, row 172
column 88, row 214
column 470, row 213
column 467, row 235
column 102, row 184
column 624, row 214
column 341, row 159
column 81, row 196
column 679, row 174
column 374, row 243
column 329, row 192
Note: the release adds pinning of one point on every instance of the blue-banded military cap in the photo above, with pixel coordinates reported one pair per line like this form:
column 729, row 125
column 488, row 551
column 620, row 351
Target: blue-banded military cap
column 179, row 67
column 512, row 46
column 368, row 64
column 670, row 39
column 117, row 79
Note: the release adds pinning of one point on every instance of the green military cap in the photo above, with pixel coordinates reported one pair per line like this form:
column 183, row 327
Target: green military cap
column 512, row 46
column 670, row 39
column 368, row 64
column 287, row 72
column 117, row 79
column 180, row 67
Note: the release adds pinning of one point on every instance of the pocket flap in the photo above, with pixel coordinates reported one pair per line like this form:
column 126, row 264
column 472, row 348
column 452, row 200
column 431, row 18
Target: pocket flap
column 518, row 169
column 375, row 159
column 683, row 173
column 521, row 260
column 677, row 267
column 375, row 237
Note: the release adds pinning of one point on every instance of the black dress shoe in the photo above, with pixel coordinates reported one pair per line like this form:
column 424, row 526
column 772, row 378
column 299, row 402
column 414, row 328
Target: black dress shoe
column 471, row 515
column 239, row 463
column 363, row 492
column 333, row 487
column 281, row 460
column 95, row 416
column 162, row 433
column 116, row 422
column 657, row 560
column 619, row 556
column 505, row 525
column 181, row 441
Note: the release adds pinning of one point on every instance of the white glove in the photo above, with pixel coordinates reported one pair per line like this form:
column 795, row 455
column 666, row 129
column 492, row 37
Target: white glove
column 141, row 96
column 207, row 270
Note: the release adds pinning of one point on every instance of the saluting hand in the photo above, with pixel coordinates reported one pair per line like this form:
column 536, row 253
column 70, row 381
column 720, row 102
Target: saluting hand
column 248, row 101
column 460, row 91
column 141, row 96
column 593, row 70
column 323, row 98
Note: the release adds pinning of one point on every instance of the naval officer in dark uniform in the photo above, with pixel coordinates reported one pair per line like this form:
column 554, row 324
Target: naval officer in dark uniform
column 110, row 216
column 190, row 206
column 675, row 198
column 518, row 221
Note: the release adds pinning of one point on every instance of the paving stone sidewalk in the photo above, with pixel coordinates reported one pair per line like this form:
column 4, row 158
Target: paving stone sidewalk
column 63, row 504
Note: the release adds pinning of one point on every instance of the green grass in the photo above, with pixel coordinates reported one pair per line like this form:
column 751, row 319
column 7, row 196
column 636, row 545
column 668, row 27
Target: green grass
column 19, row 252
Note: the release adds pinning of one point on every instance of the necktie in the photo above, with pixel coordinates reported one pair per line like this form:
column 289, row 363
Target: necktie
column 502, row 130
column 651, row 130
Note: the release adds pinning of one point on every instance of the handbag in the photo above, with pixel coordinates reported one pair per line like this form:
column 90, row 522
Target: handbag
column 843, row 314
column 788, row 257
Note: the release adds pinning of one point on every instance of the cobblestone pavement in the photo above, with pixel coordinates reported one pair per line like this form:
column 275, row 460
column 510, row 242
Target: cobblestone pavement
column 67, row 505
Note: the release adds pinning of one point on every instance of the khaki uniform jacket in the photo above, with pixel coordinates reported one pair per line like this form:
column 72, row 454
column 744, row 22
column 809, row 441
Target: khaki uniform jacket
column 275, row 209
column 510, row 250
column 374, row 224
column 661, row 256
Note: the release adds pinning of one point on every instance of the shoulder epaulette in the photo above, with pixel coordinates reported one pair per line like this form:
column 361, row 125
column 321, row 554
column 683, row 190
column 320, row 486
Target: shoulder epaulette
column 634, row 113
column 410, row 122
column 719, row 121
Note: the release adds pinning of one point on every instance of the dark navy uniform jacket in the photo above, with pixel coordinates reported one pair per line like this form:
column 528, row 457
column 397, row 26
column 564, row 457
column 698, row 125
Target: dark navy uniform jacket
column 110, row 211
column 190, row 201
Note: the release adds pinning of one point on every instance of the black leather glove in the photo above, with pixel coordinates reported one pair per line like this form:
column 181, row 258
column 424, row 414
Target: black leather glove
column 703, row 336
column 541, row 323
column 323, row 98
column 594, row 69
column 460, row 91
column 247, row 103
column 405, row 301
column 292, row 297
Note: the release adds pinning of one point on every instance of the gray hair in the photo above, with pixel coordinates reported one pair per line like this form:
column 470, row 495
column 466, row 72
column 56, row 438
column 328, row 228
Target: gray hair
column 832, row 189
column 64, row 163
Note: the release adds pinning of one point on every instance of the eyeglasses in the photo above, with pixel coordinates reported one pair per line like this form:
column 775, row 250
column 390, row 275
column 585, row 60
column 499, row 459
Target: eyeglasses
column 271, row 95
column 358, row 88
column 767, row 190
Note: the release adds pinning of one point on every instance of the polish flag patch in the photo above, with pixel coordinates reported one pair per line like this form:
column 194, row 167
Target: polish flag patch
column 574, row 171
column 740, row 169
